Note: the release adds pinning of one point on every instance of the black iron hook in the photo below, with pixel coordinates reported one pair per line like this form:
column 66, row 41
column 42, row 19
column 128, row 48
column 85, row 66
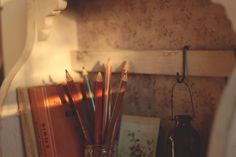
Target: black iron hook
column 178, row 79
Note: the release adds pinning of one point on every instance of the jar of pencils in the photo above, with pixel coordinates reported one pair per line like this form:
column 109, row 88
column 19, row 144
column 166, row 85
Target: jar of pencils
column 99, row 151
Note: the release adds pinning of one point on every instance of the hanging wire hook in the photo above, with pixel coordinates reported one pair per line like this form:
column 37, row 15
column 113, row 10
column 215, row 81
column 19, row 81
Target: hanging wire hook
column 190, row 96
column 178, row 79
column 182, row 80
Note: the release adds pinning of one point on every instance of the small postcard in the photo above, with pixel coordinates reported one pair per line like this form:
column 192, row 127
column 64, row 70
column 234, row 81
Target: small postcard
column 138, row 136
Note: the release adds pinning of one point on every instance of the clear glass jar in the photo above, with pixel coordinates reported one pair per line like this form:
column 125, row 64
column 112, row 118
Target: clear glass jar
column 99, row 151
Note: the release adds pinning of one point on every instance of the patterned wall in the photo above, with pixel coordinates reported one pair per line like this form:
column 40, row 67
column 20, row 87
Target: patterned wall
column 160, row 24
column 153, row 24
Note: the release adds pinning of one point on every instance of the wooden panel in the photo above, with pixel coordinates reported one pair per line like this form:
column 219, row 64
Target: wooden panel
column 200, row 63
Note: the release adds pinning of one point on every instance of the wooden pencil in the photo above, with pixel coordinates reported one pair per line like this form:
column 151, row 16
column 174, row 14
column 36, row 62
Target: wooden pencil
column 108, row 68
column 114, row 123
column 110, row 106
column 76, row 100
column 88, row 86
column 99, row 109
column 124, row 70
column 87, row 105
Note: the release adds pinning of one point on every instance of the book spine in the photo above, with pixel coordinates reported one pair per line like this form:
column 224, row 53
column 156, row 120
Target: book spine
column 42, row 126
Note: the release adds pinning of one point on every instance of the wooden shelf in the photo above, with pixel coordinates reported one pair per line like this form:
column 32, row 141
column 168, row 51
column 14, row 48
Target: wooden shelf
column 219, row 63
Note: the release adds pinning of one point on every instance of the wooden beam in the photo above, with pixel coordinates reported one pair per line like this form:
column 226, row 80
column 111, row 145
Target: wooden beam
column 218, row 63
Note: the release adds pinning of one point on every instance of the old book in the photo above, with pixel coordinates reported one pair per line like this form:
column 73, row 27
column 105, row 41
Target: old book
column 50, row 126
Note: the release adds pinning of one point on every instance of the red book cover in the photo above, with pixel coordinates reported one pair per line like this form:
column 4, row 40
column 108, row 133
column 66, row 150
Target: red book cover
column 49, row 122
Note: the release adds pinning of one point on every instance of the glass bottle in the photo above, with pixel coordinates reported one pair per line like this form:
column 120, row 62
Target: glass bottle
column 183, row 139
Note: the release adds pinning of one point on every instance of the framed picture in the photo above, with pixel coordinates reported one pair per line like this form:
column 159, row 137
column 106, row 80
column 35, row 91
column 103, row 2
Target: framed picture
column 138, row 136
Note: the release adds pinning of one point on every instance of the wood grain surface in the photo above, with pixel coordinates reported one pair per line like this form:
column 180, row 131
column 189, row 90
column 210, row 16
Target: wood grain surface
column 200, row 63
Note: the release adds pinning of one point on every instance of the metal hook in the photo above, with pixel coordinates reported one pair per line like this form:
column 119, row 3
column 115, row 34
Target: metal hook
column 178, row 79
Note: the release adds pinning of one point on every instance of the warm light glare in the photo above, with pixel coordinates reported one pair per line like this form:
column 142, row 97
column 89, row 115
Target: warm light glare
column 9, row 111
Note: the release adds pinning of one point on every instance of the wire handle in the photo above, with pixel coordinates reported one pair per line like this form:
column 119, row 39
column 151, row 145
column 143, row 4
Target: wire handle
column 172, row 99
column 180, row 80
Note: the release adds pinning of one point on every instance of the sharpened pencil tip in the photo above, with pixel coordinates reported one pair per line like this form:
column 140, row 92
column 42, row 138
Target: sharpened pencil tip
column 84, row 71
column 124, row 77
column 99, row 77
column 68, row 77
column 109, row 61
column 126, row 66
column 124, row 69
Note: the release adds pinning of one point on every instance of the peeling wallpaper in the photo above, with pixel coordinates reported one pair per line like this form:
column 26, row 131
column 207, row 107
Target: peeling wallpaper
column 159, row 24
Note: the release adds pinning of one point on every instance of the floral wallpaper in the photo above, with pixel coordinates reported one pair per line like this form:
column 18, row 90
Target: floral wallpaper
column 153, row 24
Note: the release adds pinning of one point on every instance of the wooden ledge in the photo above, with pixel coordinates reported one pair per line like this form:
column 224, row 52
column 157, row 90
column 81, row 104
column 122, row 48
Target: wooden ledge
column 219, row 63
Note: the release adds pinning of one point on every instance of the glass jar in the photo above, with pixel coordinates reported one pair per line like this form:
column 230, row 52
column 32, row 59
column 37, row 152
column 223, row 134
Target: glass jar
column 183, row 139
column 99, row 151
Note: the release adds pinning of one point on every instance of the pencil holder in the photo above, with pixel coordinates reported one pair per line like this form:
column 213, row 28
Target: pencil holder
column 99, row 151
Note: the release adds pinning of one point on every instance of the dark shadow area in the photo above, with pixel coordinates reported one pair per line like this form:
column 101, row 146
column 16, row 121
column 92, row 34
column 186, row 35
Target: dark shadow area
column 1, row 75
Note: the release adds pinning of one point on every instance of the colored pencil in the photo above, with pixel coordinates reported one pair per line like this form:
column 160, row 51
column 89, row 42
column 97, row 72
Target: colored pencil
column 76, row 100
column 87, row 108
column 87, row 105
column 116, row 114
column 108, row 68
column 99, row 109
column 124, row 70
column 88, row 86
column 110, row 106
